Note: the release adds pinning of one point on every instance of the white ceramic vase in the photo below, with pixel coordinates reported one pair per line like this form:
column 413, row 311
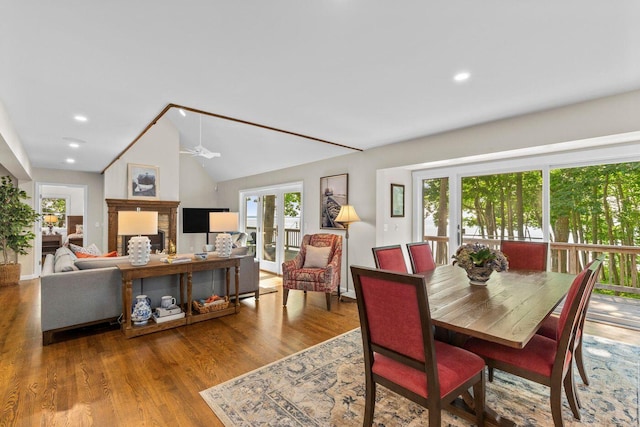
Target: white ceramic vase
column 141, row 310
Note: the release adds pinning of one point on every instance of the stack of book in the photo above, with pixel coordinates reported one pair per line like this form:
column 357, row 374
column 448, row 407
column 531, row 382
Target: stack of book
column 161, row 315
column 175, row 260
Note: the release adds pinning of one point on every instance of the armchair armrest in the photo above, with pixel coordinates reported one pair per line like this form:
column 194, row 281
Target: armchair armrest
column 292, row 264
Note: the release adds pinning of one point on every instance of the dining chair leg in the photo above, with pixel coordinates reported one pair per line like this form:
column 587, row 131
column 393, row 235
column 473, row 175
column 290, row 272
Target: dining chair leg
column 478, row 399
column 369, row 402
column 556, row 404
column 580, row 363
column 570, row 392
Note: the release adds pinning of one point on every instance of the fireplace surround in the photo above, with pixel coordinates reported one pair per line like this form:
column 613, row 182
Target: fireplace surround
column 167, row 220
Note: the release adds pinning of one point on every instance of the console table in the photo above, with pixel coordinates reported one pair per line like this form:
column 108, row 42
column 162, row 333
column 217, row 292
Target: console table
column 183, row 269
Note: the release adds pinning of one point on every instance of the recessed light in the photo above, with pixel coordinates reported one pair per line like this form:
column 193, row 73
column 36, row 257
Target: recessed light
column 73, row 142
column 182, row 112
column 462, row 76
column 70, row 160
column 80, row 118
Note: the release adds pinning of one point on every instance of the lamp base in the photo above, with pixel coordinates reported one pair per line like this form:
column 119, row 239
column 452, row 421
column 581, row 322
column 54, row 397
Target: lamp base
column 223, row 245
column 139, row 250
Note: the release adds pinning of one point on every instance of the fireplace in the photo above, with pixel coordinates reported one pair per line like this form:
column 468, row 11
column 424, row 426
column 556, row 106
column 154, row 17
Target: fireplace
column 167, row 222
column 157, row 242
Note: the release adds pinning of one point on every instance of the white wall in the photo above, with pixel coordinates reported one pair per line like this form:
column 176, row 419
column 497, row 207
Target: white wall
column 197, row 190
column 180, row 177
column 369, row 190
column 74, row 195
column 158, row 147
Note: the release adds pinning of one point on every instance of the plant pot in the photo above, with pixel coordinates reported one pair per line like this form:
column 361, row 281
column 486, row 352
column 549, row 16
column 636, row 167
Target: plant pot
column 479, row 275
column 9, row 274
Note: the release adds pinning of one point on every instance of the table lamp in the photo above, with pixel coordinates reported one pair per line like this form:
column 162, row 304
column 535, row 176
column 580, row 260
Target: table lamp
column 50, row 220
column 223, row 223
column 346, row 216
column 138, row 222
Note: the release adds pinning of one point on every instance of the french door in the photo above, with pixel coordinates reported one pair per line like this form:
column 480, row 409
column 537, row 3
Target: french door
column 272, row 218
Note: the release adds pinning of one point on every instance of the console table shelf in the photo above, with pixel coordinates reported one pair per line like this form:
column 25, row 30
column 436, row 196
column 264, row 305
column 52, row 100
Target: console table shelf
column 183, row 270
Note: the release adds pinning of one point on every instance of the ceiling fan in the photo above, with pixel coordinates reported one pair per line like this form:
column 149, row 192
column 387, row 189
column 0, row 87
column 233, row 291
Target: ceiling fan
column 199, row 150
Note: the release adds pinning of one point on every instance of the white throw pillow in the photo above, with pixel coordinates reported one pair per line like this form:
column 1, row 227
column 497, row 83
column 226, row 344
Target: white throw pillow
column 92, row 249
column 317, row 257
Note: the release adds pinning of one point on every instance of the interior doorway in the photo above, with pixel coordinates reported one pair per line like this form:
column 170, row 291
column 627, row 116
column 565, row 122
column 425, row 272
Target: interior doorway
column 64, row 208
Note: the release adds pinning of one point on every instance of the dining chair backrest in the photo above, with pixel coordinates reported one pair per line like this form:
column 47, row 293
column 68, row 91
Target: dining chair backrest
column 592, row 270
column 421, row 257
column 390, row 258
column 573, row 308
column 525, row 255
column 399, row 347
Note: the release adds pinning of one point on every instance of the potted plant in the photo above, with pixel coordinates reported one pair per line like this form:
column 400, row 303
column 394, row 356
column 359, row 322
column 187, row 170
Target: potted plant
column 480, row 261
column 16, row 220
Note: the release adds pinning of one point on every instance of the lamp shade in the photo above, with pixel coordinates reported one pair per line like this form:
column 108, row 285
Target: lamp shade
column 221, row 222
column 137, row 222
column 50, row 219
column 347, row 215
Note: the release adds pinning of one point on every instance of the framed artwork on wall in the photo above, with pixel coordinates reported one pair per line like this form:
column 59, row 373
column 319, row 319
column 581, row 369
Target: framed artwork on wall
column 397, row 200
column 334, row 191
column 142, row 182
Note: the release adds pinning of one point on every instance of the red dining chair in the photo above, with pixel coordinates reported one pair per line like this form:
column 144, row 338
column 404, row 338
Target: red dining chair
column 525, row 255
column 400, row 352
column 544, row 360
column 549, row 329
column 421, row 257
column 390, row 258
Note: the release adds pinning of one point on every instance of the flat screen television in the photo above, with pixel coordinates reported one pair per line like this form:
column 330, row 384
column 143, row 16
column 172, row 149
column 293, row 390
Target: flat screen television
column 196, row 220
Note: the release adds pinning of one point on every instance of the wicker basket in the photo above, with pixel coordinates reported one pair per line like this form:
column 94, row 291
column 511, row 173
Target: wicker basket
column 200, row 308
column 9, row 274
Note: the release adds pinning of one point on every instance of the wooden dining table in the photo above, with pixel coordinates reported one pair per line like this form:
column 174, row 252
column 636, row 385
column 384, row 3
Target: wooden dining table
column 507, row 310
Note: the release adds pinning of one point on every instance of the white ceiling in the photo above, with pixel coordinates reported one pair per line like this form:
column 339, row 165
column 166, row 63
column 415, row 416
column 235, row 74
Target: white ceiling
column 358, row 73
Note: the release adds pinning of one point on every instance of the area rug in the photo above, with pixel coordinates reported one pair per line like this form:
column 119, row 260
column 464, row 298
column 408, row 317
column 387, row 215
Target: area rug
column 324, row 386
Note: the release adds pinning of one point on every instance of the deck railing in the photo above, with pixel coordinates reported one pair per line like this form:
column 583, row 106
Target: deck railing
column 292, row 237
column 619, row 273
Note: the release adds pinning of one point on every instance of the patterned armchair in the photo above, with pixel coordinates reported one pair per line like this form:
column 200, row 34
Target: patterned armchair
column 316, row 269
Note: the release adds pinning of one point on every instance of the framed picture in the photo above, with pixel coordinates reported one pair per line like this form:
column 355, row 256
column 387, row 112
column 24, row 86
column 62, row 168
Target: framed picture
column 142, row 182
column 334, row 191
column 397, row 200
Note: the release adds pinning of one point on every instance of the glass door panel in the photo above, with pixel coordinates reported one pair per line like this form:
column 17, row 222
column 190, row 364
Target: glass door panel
column 269, row 258
column 292, row 220
column 435, row 217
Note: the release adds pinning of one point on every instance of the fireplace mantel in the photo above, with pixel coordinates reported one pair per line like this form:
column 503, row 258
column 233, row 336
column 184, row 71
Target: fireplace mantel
column 169, row 208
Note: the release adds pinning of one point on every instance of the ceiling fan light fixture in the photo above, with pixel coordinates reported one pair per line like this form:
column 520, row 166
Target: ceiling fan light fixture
column 199, row 150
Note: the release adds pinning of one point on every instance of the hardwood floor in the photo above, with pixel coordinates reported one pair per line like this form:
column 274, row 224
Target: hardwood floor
column 104, row 379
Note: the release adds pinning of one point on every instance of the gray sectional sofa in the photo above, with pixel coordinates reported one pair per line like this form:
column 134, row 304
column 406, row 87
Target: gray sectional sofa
column 77, row 292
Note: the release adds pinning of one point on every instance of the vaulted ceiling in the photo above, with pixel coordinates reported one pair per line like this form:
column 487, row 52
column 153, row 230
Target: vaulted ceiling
column 358, row 74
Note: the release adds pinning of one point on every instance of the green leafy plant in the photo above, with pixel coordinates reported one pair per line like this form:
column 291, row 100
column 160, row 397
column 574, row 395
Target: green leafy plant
column 16, row 219
column 474, row 254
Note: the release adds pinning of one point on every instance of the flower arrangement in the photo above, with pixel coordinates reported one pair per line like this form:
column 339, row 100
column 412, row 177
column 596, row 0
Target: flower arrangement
column 472, row 255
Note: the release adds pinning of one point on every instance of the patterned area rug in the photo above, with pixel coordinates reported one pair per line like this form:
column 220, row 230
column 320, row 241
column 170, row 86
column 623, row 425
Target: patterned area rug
column 324, row 386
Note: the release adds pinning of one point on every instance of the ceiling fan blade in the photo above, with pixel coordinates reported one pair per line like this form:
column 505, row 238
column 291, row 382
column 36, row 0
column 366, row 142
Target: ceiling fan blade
column 209, row 155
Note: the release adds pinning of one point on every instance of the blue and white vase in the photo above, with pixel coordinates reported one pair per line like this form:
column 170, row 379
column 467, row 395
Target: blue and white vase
column 141, row 310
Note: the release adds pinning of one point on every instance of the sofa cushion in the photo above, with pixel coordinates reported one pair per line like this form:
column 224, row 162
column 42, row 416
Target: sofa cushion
column 100, row 262
column 64, row 260
column 316, row 257
column 243, row 250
